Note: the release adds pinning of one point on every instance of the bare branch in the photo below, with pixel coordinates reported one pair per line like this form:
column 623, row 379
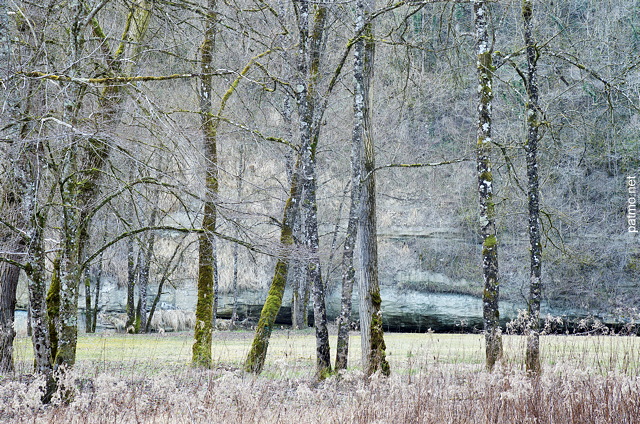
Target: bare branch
column 121, row 80
column 416, row 165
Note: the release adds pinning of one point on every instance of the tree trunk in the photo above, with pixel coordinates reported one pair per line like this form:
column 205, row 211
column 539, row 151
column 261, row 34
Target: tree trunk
column 373, row 346
column 87, row 302
column 533, row 193
column 80, row 188
column 490, row 296
column 143, row 278
column 201, row 349
column 348, row 270
column 8, row 284
column 311, row 40
column 258, row 353
column 167, row 271
column 296, row 278
column 323, row 358
column 131, row 282
column 96, row 302
column 216, row 285
column 53, row 308
column 299, row 279
column 13, row 191
column 37, row 301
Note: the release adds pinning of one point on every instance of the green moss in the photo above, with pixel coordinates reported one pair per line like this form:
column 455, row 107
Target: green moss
column 490, row 241
column 486, row 176
column 201, row 350
column 378, row 361
column 256, row 357
column 53, row 307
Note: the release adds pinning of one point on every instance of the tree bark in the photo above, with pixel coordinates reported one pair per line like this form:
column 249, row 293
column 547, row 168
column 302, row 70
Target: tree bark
column 532, row 360
column 9, row 275
column 311, row 41
column 490, row 295
column 87, row 302
column 373, row 345
column 206, row 263
column 131, row 282
column 53, row 308
column 144, row 268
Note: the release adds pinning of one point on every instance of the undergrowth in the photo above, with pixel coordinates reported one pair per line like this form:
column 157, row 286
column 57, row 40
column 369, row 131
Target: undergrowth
column 435, row 378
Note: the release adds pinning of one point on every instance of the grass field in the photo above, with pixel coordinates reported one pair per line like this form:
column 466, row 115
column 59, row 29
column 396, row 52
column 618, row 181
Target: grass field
column 436, row 378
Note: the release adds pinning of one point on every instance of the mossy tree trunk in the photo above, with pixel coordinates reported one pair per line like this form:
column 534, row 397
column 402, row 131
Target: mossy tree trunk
column 85, row 157
column 532, row 360
column 53, row 308
column 206, row 252
column 201, row 350
column 258, row 352
column 491, row 313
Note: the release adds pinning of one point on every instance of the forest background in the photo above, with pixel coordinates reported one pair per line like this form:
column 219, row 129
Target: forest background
column 107, row 172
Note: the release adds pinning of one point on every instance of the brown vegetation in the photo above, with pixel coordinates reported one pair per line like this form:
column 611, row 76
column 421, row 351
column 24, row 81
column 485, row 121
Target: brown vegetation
column 437, row 394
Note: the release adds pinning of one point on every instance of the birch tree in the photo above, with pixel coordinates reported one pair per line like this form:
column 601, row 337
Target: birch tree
column 491, row 314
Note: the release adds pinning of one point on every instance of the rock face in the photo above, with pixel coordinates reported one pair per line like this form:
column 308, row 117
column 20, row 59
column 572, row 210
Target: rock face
column 417, row 311
column 404, row 308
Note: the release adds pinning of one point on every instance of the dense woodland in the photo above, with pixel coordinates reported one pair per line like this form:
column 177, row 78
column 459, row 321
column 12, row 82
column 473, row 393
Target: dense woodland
column 231, row 145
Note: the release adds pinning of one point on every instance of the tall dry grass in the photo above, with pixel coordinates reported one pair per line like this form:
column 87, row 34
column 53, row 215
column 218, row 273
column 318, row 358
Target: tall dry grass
column 436, row 379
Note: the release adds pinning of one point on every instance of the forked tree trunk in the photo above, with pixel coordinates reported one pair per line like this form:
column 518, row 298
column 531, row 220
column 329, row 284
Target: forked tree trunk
column 491, row 314
column 533, row 193
column 80, row 187
column 348, row 270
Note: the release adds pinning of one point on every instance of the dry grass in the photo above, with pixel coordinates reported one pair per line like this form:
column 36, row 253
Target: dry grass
column 438, row 378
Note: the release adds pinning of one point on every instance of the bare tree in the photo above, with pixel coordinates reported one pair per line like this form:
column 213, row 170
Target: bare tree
column 207, row 261
column 533, row 192
column 372, row 335
column 491, row 314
